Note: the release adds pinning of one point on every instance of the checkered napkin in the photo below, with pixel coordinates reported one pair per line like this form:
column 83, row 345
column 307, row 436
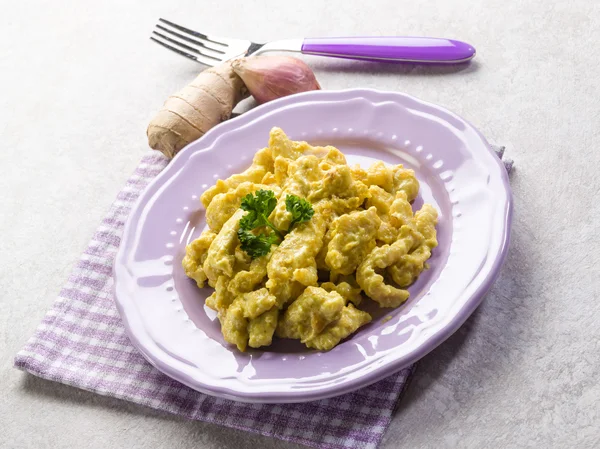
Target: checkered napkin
column 82, row 342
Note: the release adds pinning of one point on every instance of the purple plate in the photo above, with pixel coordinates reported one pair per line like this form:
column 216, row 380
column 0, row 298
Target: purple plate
column 164, row 312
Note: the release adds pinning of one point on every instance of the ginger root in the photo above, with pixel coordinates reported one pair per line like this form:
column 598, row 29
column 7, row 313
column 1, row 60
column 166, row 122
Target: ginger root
column 198, row 107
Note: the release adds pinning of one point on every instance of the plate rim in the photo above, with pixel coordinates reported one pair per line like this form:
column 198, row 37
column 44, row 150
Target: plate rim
column 353, row 384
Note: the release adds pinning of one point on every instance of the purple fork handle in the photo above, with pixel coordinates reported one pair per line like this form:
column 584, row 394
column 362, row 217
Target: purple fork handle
column 391, row 49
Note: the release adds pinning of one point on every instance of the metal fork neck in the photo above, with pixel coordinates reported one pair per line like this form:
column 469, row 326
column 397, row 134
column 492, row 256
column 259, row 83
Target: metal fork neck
column 294, row 45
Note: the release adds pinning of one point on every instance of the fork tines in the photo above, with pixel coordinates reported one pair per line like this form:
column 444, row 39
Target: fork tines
column 202, row 49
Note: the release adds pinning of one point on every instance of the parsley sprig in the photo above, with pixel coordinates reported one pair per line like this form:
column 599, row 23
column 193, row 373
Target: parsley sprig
column 300, row 209
column 258, row 207
column 256, row 245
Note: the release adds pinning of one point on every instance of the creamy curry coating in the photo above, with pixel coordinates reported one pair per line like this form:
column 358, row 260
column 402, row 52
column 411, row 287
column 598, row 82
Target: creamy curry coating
column 380, row 175
column 380, row 258
column 349, row 321
column 348, row 291
column 262, row 328
column 400, row 212
column 335, row 180
column 221, row 298
column 245, row 281
column 308, row 315
column 262, row 163
column 353, row 237
column 234, row 325
column 250, row 320
column 362, row 237
column 426, row 220
column 195, row 256
column 322, row 254
column 302, row 172
column 382, row 201
column 221, row 253
column 258, row 302
column 410, row 266
column 405, row 181
column 292, row 265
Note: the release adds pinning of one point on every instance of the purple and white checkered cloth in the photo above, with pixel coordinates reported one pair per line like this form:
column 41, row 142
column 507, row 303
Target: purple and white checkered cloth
column 82, row 342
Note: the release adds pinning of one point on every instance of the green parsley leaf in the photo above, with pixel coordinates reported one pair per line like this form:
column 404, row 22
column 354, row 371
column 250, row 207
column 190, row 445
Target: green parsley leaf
column 256, row 245
column 259, row 206
column 300, row 209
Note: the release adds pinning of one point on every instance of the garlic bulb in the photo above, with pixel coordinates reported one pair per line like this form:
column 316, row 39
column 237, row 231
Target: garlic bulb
column 271, row 77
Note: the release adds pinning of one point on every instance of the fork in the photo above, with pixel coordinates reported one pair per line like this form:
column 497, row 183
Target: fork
column 212, row 50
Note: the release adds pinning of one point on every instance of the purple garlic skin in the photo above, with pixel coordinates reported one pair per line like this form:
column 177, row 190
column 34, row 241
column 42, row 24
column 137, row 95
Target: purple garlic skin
column 271, row 77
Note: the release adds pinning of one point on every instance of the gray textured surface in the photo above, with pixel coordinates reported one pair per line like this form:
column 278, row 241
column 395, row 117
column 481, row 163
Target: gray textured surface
column 80, row 80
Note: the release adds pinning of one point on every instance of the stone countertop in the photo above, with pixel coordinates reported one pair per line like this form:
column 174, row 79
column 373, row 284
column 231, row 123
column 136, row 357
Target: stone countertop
column 81, row 80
